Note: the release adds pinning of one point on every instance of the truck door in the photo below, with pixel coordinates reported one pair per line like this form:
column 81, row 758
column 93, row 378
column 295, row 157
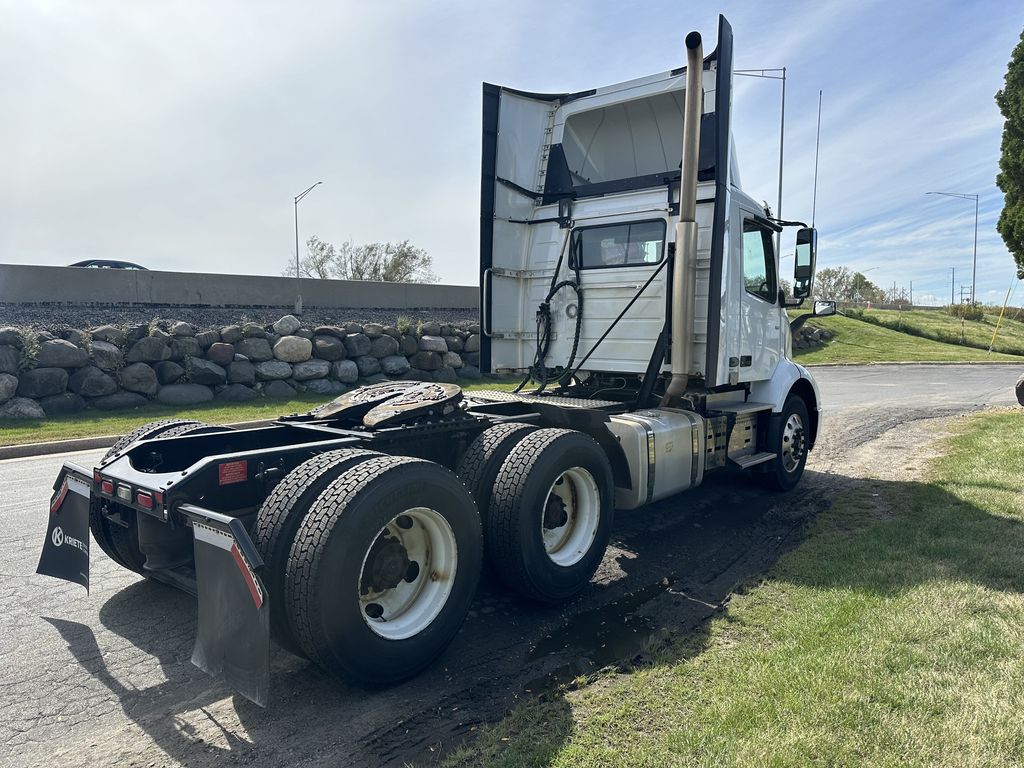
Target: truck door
column 760, row 315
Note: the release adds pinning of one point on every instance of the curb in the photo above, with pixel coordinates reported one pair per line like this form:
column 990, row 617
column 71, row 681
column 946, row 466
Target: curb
column 86, row 443
column 910, row 362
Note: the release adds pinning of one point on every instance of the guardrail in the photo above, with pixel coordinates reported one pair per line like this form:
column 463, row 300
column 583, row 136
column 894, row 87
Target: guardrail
column 25, row 284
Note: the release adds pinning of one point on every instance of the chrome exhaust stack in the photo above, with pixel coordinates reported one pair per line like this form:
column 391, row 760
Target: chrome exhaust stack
column 684, row 266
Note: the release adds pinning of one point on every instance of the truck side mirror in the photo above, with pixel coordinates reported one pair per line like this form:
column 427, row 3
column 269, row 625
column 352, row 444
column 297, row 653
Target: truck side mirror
column 803, row 269
column 824, row 308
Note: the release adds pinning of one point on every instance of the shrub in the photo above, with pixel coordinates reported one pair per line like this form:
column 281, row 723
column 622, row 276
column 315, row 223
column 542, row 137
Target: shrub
column 967, row 311
column 29, row 351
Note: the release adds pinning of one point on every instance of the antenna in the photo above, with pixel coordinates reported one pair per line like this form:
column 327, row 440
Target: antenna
column 817, row 142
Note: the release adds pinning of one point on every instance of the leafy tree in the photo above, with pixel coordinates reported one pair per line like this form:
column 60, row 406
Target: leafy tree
column 1011, row 163
column 380, row 262
column 832, row 283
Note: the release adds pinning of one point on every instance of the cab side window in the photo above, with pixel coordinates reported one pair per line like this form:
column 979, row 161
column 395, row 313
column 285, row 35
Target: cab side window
column 759, row 261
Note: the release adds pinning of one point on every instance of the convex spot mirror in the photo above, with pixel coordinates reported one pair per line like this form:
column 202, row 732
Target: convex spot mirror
column 824, row 308
column 806, row 253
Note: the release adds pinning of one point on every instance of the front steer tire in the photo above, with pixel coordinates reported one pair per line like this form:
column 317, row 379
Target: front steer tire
column 788, row 439
column 326, row 580
column 546, row 464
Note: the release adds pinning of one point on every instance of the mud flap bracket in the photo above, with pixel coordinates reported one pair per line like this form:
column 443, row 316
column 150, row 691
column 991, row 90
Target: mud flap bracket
column 233, row 627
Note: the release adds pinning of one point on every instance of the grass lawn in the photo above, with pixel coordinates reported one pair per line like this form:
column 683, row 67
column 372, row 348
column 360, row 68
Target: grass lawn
column 93, row 423
column 858, row 341
column 893, row 635
column 941, row 326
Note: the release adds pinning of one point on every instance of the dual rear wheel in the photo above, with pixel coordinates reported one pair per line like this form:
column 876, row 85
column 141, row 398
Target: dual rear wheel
column 372, row 562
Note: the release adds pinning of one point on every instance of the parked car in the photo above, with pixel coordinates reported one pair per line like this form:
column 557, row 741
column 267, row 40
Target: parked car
column 106, row 264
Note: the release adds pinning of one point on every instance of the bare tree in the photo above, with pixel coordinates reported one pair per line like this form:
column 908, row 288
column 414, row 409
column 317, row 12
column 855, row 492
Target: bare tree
column 379, row 262
column 318, row 262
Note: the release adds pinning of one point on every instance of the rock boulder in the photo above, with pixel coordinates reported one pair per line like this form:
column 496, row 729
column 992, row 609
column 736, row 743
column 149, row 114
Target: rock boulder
column 8, row 386
column 273, row 370
column 256, row 350
column 207, row 373
column 293, row 349
column 60, row 353
column 138, row 377
column 41, row 382
column 21, row 408
column 184, row 394
column 311, row 369
column 345, row 371
column 90, row 381
column 287, row 325
column 106, row 356
column 148, row 349
column 168, row 372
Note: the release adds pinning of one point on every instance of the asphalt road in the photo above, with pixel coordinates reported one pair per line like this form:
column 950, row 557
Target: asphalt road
column 105, row 678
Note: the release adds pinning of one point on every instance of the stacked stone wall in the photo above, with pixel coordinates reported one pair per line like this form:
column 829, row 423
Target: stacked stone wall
column 108, row 367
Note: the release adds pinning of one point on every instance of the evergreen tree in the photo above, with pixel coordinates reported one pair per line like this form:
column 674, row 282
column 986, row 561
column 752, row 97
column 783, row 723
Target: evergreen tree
column 1011, row 163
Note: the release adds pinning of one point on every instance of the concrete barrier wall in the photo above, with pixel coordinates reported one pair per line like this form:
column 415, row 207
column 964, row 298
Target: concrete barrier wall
column 24, row 284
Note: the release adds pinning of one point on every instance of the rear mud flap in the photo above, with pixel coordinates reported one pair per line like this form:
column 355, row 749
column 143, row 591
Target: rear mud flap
column 233, row 632
column 65, row 552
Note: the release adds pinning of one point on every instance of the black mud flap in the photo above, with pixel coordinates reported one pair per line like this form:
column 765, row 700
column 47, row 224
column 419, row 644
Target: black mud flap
column 65, row 552
column 233, row 632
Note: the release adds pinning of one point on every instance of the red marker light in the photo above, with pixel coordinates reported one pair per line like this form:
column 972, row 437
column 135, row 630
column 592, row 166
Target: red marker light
column 144, row 500
column 107, row 487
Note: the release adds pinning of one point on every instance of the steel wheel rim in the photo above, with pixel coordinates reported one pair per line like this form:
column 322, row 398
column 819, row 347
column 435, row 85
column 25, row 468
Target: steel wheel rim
column 793, row 443
column 577, row 493
column 397, row 611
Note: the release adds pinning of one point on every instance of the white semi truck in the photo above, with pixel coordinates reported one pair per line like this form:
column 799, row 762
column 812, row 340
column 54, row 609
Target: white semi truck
column 635, row 288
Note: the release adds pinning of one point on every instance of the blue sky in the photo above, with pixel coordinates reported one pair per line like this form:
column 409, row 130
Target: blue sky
column 176, row 134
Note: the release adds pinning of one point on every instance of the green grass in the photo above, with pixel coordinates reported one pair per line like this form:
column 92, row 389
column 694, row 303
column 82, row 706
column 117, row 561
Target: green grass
column 94, row 423
column 860, row 341
column 893, row 636
column 941, row 326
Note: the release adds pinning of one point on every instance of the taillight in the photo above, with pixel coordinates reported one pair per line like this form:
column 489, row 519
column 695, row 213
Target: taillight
column 144, row 500
column 107, row 487
column 158, row 498
column 96, row 477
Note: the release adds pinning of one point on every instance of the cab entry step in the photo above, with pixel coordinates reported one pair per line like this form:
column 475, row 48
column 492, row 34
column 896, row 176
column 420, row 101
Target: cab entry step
column 752, row 460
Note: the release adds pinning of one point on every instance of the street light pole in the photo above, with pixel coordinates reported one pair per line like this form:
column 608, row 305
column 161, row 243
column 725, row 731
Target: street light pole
column 298, row 274
column 974, row 268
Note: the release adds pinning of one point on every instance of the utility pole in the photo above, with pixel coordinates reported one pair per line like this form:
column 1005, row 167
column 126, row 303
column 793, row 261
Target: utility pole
column 952, row 286
column 911, row 293
column 974, row 268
